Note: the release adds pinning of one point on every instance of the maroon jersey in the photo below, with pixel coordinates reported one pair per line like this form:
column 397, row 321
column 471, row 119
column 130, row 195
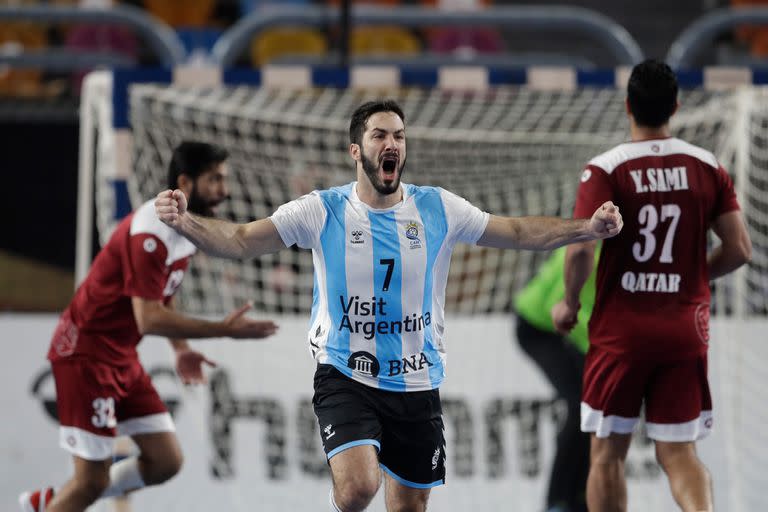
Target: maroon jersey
column 143, row 258
column 652, row 280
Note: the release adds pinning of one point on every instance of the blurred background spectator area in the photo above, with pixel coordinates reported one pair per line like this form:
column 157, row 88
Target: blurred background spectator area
column 199, row 23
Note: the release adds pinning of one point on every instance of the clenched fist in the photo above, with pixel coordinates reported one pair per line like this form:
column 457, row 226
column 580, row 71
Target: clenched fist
column 171, row 206
column 606, row 221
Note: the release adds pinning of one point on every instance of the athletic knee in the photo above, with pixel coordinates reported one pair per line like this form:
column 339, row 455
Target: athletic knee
column 606, row 461
column 171, row 467
column 356, row 494
column 673, row 455
column 91, row 485
column 157, row 470
column 609, row 453
column 415, row 503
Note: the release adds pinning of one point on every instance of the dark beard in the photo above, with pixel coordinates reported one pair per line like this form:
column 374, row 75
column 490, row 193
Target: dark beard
column 371, row 170
column 200, row 206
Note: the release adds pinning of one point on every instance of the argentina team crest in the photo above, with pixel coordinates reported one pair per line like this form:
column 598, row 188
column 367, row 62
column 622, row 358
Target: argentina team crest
column 412, row 234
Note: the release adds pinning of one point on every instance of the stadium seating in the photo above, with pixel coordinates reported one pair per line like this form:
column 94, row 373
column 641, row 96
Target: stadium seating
column 272, row 44
column 16, row 37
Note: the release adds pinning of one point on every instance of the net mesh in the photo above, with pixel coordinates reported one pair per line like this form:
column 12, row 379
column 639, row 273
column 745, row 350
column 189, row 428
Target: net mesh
column 508, row 150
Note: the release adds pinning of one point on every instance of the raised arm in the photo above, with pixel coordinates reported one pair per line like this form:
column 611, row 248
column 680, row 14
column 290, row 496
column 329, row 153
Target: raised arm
column 544, row 233
column 217, row 237
column 736, row 247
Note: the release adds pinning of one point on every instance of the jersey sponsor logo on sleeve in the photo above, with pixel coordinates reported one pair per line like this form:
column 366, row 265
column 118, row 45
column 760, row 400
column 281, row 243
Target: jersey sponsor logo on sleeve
column 586, row 175
column 150, row 244
column 364, row 363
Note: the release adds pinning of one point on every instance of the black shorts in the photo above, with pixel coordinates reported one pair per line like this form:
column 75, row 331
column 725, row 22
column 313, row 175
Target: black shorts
column 405, row 428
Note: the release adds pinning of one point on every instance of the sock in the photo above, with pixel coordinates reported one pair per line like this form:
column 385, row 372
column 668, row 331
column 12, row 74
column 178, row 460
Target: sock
column 124, row 476
column 334, row 506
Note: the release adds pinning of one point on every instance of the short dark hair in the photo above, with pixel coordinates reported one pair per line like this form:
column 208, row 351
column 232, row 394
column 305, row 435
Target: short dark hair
column 652, row 93
column 366, row 110
column 193, row 159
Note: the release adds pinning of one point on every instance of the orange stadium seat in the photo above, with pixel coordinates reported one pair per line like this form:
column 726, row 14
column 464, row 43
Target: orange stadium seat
column 182, row 13
column 289, row 41
column 381, row 40
column 754, row 36
column 20, row 36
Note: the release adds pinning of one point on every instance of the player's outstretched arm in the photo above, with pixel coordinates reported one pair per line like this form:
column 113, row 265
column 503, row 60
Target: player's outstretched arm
column 736, row 247
column 545, row 233
column 154, row 317
column 217, row 237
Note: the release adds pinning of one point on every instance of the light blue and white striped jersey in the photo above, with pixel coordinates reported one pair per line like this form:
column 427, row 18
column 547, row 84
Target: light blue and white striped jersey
column 380, row 277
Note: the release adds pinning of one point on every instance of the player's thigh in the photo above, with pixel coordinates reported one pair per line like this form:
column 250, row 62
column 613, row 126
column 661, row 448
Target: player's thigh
column 403, row 497
column 613, row 392
column 159, row 448
column 678, row 402
column 356, row 468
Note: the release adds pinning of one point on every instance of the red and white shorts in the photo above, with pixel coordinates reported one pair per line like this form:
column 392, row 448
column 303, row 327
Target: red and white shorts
column 97, row 402
column 678, row 405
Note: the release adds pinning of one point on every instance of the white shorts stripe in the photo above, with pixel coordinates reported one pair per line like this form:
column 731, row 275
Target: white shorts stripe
column 693, row 430
column 593, row 420
column 86, row 445
column 161, row 422
column 90, row 446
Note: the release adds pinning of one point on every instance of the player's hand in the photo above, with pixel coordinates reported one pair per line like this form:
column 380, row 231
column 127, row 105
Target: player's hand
column 189, row 366
column 606, row 221
column 171, row 206
column 564, row 317
column 240, row 326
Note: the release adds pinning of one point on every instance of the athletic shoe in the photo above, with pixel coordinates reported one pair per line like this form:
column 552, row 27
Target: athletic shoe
column 35, row 501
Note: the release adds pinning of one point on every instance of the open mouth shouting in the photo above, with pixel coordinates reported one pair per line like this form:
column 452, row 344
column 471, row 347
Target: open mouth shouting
column 389, row 165
column 384, row 173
